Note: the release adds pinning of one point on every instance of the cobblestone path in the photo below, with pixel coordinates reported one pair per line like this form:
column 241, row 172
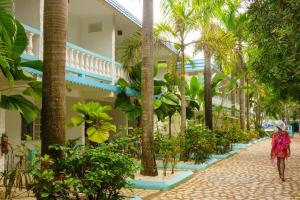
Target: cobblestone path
column 246, row 175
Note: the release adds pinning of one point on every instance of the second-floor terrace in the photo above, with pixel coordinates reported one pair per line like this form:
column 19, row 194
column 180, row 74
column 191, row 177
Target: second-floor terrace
column 95, row 33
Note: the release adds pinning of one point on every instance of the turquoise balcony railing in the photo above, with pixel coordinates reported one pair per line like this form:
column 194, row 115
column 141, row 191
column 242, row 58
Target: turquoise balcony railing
column 80, row 62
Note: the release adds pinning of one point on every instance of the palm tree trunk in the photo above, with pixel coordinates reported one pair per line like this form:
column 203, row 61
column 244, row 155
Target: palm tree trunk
column 182, row 92
column 54, row 104
column 170, row 126
column 232, row 99
column 242, row 68
column 247, row 105
column 242, row 104
column 207, row 88
column 148, row 155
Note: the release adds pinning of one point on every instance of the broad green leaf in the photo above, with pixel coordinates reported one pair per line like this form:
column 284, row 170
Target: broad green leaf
column 122, row 83
column 34, row 64
column 194, row 86
column 17, row 102
column 34, row 90
column 77, row 120
column 156, row 103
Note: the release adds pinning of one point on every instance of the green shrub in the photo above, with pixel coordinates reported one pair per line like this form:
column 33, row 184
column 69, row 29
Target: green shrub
column 198, row 143
column 96, row 173
column 168, row 149
column 223, row 143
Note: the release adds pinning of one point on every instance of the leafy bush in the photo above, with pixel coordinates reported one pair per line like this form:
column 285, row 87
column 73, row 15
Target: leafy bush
column 263, row 133
column 168, row 149
column 198, row 143
column 95, row 173
column 223, row 143
column 127, row 143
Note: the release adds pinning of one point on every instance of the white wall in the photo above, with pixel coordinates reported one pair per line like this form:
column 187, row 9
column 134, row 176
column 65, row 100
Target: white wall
column 74, row 23
column 28, row 12
column 13, row 126
column 99, row 42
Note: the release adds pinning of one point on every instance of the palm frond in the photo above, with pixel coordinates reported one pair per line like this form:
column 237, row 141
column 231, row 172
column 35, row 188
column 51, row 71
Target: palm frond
column 7, row 5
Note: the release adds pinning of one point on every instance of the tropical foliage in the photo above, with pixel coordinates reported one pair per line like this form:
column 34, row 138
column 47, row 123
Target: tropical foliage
column 97, row 121
column 274, row 37
column 13, row 42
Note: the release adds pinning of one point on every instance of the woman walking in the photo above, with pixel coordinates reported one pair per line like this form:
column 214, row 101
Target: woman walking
column 280, row 147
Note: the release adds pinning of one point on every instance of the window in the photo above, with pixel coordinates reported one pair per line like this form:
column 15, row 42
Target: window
column 32, row 129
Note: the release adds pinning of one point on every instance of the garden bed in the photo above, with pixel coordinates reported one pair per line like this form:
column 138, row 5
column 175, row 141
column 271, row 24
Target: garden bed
column 160, row 182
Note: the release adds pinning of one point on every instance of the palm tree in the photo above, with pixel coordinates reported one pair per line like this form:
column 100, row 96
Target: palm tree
column 179, row 22
column 235, row 23
column 205, row 12
column 147, row 91
column 54, row 105
column 213, row 41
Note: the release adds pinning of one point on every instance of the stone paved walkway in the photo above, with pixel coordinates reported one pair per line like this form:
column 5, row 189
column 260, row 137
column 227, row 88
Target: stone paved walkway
column 246, row 175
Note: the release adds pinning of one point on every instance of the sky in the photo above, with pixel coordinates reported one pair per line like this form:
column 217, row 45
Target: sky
column 135, row 7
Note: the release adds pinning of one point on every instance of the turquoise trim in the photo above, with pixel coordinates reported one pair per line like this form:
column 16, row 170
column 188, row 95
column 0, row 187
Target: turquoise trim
column 185, row 166
column 237, row 146
column 198, row 65
column 91, row 83
column 90, row 74
column 25, row 56
column 162, row 185
column 83, row 81
column 136, row 198
column 31, row 29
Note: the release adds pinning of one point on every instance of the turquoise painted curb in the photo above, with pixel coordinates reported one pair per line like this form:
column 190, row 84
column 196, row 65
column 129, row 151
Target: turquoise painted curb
column 159, row 185
column 136, row 198
column 237, row 146
column 186, row 166
column 220, row 156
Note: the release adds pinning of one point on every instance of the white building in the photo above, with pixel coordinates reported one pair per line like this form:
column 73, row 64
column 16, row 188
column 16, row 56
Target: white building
column 96, row 30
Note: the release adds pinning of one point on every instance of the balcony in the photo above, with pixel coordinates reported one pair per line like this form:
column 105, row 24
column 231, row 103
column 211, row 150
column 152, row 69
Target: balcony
column 82, row 66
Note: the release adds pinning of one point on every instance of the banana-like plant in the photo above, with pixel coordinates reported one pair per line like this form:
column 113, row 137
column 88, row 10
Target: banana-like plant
column 94, row 115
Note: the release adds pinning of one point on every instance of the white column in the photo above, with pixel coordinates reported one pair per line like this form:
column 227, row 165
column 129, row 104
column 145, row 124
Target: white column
column 113, row 53
column 41, row 40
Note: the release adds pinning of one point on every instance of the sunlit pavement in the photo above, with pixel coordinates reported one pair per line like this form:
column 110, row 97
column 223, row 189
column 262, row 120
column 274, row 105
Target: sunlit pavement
column 247, row 175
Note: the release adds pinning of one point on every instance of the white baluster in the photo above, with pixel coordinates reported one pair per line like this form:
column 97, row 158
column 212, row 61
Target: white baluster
column 87, row 62
column 72, row 58
column 109, row 69
column 92, row 65
column 97, row 65
column 29, row 48
column 77, row 59
column 82, row 59
column 102, row 68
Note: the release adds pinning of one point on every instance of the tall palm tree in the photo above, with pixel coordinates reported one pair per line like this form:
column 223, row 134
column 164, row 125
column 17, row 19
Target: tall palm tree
column 148, row 156
column 205, row 12
column 235, row 23
column 179, row 22
column 213, row 41
column 54, row 104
